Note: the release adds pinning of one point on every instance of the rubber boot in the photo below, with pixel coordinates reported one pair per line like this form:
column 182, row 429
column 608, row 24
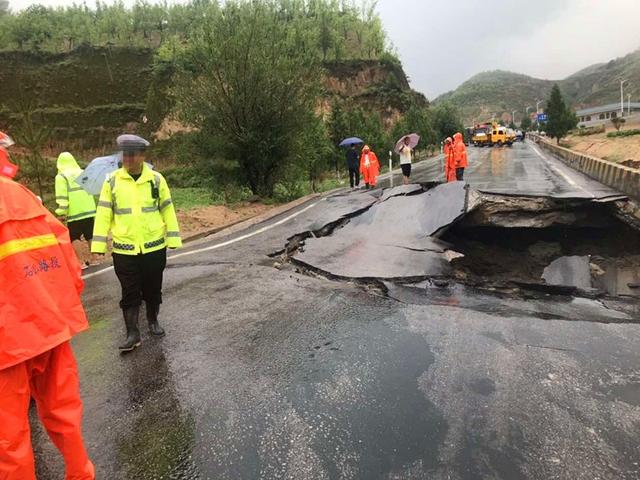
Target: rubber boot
column 152, row 318
column 133, row 334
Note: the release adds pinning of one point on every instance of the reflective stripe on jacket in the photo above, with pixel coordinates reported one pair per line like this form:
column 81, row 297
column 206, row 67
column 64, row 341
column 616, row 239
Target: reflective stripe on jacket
column 139, row 223
column 73, row 201
column 40, row 304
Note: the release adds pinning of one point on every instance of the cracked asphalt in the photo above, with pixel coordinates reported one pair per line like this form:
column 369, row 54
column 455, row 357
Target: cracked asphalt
column 268, row 372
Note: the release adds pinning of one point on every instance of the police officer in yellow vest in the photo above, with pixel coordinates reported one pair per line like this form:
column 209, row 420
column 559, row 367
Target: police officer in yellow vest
column 75, row 205
column 135, row 205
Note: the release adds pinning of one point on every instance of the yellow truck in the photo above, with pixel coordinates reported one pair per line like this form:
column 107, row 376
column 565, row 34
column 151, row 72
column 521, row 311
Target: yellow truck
column 481, row 135
column 492, row 134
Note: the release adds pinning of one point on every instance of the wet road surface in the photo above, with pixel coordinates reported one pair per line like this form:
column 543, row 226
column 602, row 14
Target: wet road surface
column 523, row 169
column 273, row 373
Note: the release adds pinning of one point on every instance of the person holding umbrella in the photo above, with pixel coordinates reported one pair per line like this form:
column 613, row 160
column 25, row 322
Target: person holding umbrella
column 40, row 311
column 404, row 147
column 135, row 205
column 369, row 167
column 75, row 206
column 353, row 163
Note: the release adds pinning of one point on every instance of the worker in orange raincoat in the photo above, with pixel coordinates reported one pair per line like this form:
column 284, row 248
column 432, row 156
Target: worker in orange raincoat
column 449, row 165
column 459, row 155
column 369, row 167
column 40, row 311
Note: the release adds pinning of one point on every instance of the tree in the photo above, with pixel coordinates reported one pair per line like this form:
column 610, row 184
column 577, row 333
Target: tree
column 525, row 124
column 560, row 118
column 447, row 120
column 33, row 134
column 618, row 122
column 417, row 120
column 252, row 82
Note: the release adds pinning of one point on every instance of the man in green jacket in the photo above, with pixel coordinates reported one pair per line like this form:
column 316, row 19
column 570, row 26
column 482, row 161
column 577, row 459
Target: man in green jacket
column 75, row 205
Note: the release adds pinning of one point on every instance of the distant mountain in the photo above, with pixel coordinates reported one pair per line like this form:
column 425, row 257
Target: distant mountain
column 499, row 92
column 600, row 84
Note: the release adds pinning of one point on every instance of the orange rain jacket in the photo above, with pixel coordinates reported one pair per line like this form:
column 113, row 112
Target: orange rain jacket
column 369, row 172
column 459, row 151
column 449, row 165
column 40, row 295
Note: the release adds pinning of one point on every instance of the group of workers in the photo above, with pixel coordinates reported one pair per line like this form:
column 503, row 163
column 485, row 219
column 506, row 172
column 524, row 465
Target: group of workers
column 367, row 164
column 40, row 305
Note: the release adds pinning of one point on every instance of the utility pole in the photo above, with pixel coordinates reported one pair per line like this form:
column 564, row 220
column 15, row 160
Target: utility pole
column 538, row 102
column 622, row 82
column 628, row 104
column 513, row 116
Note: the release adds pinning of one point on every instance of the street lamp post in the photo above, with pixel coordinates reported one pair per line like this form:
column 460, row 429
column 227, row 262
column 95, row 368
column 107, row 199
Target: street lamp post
column 513, row 116
column 628, row 104
column 622, row 82
column 538, row 102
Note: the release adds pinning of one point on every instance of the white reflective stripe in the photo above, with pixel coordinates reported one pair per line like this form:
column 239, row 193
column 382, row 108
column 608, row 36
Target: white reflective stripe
column 99, row 239
column 102, row 203
column 62, row 198
column 75, row 189
column 150, row 209
column 165, row 204
column 173, row 234
column 122, row 211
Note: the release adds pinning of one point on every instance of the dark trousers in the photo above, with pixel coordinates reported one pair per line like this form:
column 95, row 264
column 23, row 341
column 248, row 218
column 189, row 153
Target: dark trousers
column 140, row 277
column 354, row 177
column 459, row 174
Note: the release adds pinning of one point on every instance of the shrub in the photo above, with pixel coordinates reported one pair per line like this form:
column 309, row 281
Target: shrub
column 623, row 133
column 584, row 131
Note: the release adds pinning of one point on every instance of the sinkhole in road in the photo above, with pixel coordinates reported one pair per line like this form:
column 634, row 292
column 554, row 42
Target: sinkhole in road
column 574, row 248
column 452, row 234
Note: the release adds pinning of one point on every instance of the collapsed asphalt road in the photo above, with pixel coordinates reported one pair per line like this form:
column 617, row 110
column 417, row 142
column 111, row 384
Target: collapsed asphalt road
column 274, row 370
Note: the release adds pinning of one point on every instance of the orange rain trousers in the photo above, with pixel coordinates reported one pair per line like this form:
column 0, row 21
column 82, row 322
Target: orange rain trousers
column 51, row 378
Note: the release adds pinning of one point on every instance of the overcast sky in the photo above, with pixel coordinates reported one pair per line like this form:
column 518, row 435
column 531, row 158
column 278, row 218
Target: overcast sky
column 443, row 43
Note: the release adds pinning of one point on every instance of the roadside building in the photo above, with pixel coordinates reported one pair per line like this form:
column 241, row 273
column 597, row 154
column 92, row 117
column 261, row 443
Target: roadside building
column 603, row 114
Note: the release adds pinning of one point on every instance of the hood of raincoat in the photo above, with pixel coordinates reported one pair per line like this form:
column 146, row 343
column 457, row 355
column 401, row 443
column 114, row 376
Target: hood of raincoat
column 366, row 148
column 448, row 140
column 457, row 137
column 27, row 208
column 66, row 163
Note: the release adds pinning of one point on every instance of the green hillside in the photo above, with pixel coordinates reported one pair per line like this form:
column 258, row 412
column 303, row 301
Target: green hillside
column 496, row 93
column 499, row 92
column 600, row 84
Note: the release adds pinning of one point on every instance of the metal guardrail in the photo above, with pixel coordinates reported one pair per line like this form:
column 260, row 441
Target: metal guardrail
column 619, row 177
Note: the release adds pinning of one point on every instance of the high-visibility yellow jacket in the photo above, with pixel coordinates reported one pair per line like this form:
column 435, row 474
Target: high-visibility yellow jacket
column 73, row 201
column 139, row 214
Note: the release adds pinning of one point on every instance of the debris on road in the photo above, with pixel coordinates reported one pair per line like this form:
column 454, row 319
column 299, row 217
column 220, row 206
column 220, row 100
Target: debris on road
column 573, row 271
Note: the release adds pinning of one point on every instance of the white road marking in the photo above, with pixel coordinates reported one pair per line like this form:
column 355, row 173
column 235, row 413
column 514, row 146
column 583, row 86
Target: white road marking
column 223, row 244
column 566, row 177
